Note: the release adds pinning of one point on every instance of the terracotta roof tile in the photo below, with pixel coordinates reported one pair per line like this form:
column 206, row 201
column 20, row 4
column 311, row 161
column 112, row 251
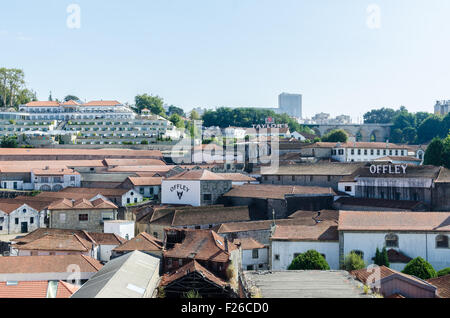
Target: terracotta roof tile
column 443, row 285
column 323, row 231
column 81, row 204
column 111, row 162
column 57, row 243
column 236, row 177
column 248, row 243
column 268, row 191
column 145, row 181
column 43, row 104
column 46, row 264
column 394, row 221
column 197, row 175
column 189, row 268
column 203, row 245
column 142, row 242
column 34, row 289
column 102, row 103
column 397, row 257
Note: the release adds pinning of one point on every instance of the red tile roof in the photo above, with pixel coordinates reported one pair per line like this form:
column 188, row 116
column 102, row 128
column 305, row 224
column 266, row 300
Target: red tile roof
column 43, row 104
column 134, row 162
column 397, row 257
column 248, row 243
column 8, row 208
column 443, row 285
column 268, row 191
column 205, row 245
column 142, row 242
column 145, row 181
column 197, row 175
column 81, row 204
column 67, row 243
column 189, row 268
column 323, row 231
column 71, row 103
column 102, row 103
column 54, row 172
column 236, row 177
column 394, row 221
column 46, row 264
column 35, row 289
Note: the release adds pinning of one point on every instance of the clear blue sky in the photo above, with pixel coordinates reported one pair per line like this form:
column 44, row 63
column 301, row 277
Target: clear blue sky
column 234, row 52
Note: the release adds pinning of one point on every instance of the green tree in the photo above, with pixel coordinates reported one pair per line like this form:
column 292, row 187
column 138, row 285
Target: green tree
column 353, row 262
column 175, row 110
column 194, row 115
column 443, row 272
column 379, row 116
column 420, row 268
column 71, row 97
column 433, row 154
column 409, row 135
column 310, row 260
column 9, row 142
column 152, row 103
column 377, row 258
column 430, row 128
column 12, row 83
column 445, row 126
column 446, row 152
column 337, row 135
column 177, row 120
column 384, row 257
column 397, row 136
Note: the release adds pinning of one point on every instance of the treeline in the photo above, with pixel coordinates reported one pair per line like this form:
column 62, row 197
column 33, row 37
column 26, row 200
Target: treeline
column 410, row 128
column 12, row 88
column 225, row 117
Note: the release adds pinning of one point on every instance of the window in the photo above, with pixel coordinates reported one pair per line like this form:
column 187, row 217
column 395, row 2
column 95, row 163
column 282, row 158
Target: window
column 384, row 152
column 348, row 189
column 265, row 178
column 15, row 185
column 442, row 241
column 249, row 267
column 2, row 219
column 371, row 152
column 155, row 234
column 359, row 253
column 255, row 253
column 44, row 180
column 128, row 200
column 107, row 216
column 62, row 218
column 83, row 217
column 207, row 197
column 135, row 200
column 391, row 240
column 352, row 151
column 378, row 152
column 72, row 178
column 141, row 190
column 279, row 178
column 341, row 152
column 334, row 152
column 293, row 178
column 198, row 227
column 277, row 257
column 24, row 210
column 31, row 220
column 365, row 152
column 329, row 178
column 16, row 220
column 311, row 178
column 359, row 151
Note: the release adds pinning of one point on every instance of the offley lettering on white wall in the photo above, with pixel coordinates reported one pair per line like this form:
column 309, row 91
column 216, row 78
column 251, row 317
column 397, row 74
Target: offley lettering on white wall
column 180, row 188
column 388, row 169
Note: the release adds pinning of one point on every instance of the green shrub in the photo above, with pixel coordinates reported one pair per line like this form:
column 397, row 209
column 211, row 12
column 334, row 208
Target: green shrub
column 353, row 262
column 420, row 268
column 310, row 260
column 381, row 258
column 444, row 272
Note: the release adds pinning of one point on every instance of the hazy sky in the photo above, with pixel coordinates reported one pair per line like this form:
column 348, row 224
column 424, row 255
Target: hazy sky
column 234, row 52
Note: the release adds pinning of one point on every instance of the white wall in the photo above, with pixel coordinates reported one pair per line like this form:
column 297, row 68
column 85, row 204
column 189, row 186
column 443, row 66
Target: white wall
column 131, row 196
column 120, row 228
column 287, row 249
column 410, row 244
column 342, row 185
column 263, row 258
column 189, row 190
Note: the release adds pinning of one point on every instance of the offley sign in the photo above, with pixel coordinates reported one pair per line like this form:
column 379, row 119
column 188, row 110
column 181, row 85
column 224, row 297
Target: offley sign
column 388, row 169
column 180, row 189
